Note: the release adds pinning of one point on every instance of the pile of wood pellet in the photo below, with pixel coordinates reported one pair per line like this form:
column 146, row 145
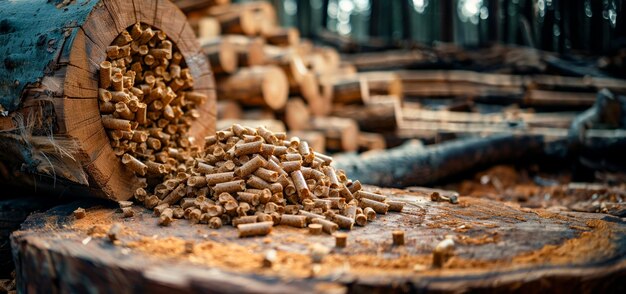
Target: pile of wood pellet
column 254, row 179
column 146, row 101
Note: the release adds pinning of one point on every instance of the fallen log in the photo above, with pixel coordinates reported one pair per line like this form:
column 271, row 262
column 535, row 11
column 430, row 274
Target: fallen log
column 408, row 166
column 256, row 86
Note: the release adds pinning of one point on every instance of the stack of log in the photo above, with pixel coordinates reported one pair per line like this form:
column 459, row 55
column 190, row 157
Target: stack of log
column 375, row 100
column 266, row 72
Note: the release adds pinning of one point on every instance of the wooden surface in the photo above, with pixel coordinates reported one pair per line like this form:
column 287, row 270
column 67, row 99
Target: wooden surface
column 70, row 84
column 499, row 247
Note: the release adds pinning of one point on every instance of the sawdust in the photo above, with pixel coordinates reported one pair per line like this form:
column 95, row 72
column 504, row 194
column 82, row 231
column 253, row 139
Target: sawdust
column 589, row 246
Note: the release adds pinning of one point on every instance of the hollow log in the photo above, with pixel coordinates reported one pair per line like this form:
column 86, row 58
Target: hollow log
column 256, row 86
column 409, row 166
column 52, row 90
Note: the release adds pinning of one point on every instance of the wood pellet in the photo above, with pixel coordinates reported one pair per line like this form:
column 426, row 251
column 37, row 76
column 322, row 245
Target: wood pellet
column 249, row 178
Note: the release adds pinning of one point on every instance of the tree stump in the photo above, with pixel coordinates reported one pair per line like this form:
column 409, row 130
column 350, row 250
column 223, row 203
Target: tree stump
column 49, row 92
column 499, row 247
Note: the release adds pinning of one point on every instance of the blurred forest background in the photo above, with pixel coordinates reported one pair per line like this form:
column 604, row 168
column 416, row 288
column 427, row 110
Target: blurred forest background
column 566, row 26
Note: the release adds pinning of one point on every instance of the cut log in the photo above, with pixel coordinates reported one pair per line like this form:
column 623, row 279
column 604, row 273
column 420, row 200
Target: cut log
column 250, row 51
column 545, row 252
column 297, row 115
column 381, row 113
column 221, row 54
column 383, row 83
column 207, row 27
column 341, row 134
column 282, row 36
column 434, row 163
column 387, row 60
column 348, row 90
column 54, row 83
column 256, row 86
column 237, row 22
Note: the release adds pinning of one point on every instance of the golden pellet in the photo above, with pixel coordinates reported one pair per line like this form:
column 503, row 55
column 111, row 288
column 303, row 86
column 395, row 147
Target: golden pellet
column 355, row 186
column 166, row 217
column 297, row 221
column 248, row 148
column 215, row 222
column 248, row 219
column 378, row 207
column 341, row 240
column 315, row 229
column 395, row 205
column 328, row 226
column 251, row 166
column 218, row 178
column 443, row 251
column 369, row 195
column 398, row 238
column 255, row 229
column 300, row 184
column 290, row 166
column 360, row 220
column 369, row 213
column 116, row 123
column 230, row 187
column 250, row 198
column 344, row 222
column 257, row 183
column 266, row 174
column 134, row 164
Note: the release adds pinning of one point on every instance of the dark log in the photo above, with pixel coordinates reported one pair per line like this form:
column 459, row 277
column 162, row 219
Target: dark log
column 501, row 248
column 407, row 166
